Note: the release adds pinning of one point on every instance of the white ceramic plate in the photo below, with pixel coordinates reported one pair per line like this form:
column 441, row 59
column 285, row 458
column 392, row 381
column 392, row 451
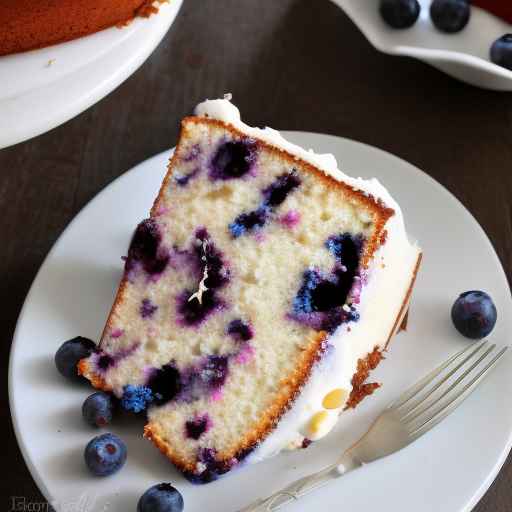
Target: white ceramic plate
column 43, row 88
column 445, row 471
column 464, row 55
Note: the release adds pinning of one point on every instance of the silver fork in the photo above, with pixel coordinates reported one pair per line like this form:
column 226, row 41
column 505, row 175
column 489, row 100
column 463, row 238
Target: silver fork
column 410, row 416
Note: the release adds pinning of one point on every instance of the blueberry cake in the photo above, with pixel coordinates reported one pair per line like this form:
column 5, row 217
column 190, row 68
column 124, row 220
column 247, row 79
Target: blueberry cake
column 256, row 298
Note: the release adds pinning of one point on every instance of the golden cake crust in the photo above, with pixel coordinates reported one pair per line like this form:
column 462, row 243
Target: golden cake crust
column 290, row 385
column 29, row 24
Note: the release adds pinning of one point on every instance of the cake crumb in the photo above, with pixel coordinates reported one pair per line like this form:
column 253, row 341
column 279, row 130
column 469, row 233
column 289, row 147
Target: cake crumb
column 360, row 388
column 49, row 63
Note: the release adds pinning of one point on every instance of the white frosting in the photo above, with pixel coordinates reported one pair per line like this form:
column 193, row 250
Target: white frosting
column 389, row 276
column 224, row 110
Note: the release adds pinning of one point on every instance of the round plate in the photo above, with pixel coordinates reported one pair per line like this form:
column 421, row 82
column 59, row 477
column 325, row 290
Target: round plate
column 449, row 469
column 464, row 55
column 43, row 88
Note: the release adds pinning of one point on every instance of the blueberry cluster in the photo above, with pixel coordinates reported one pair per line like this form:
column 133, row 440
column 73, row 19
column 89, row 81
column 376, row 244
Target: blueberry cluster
column 448, row 16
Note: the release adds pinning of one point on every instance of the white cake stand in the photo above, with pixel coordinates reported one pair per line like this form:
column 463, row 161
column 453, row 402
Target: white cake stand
column 44, row 88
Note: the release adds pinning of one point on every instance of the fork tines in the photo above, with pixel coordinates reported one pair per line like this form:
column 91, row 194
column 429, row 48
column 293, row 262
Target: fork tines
column 426, row 403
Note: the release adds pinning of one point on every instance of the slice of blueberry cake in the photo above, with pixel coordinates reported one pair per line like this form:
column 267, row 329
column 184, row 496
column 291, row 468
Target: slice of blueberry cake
column 256, row 298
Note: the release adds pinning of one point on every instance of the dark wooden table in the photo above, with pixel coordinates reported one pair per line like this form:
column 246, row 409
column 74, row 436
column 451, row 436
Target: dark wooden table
column 290, row 64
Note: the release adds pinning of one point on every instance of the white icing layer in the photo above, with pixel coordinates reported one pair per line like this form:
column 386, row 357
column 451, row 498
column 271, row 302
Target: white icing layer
column 389, row 276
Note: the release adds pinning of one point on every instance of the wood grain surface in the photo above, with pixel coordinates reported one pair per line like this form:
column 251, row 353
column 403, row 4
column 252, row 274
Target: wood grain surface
column 290, row 64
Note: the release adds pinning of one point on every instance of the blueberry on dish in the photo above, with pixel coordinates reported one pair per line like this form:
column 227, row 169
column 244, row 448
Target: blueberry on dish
column 105, row 455
column 450, row 16
column 70, row 353
column 501, row 51
column 97, row 409
column 474, row 314
column 400, row 13
column 161, row 498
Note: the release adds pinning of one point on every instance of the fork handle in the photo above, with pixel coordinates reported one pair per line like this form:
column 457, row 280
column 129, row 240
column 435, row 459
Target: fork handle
column 305, row 485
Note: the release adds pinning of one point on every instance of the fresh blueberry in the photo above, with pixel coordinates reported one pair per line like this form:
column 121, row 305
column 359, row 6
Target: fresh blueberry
column 70, row 353
column 105, row 454
column 501, row 51
column 400, row 13
column 97, row 409
column 474, row 314
column 450, row 16
column 161, row 498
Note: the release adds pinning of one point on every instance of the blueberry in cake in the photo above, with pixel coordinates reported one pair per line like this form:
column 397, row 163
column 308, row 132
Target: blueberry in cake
column 256, row 298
